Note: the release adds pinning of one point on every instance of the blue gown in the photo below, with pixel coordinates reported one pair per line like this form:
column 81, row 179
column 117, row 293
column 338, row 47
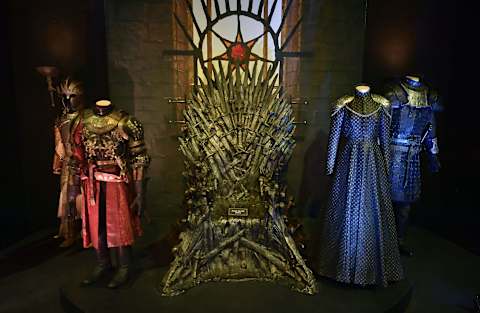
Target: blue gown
column 359, row 242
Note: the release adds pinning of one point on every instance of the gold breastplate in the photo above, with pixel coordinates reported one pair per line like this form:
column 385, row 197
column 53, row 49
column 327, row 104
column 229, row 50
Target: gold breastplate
column 100, row 124
column 106, row 146
column 102, row 138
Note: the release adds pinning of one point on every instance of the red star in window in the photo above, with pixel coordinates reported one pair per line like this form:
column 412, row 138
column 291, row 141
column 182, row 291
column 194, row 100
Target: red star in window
column 238, row 53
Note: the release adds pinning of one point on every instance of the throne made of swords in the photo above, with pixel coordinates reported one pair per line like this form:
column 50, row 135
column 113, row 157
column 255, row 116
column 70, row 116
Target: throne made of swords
column 238, row 139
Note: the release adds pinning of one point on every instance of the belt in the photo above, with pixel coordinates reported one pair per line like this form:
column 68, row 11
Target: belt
column 94, row 175
column 412, row 147
column 105, row 162
column 405, row 141
column 109, row 178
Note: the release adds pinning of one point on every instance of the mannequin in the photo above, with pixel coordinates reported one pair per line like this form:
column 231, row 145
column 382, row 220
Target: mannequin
column 71, row 92
column 111, row 158
column 363, row 89
column 103, row 107
column 413, row 130
column 359, row 243
column 413, row 78
column 363, row 103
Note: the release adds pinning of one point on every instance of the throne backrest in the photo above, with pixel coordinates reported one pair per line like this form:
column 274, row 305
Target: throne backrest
column 239, row 135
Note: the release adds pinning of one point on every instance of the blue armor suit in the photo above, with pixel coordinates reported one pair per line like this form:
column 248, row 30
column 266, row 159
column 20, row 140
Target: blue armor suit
column 412, row 130
column 359, row 242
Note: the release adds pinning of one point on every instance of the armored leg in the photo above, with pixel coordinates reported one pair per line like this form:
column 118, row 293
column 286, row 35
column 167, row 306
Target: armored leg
column 102, row 252
column 70, row 233
column 124, row 257
column 402, row 212
column 65, row 232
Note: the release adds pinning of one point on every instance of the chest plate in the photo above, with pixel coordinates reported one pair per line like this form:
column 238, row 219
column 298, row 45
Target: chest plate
column 103, row 139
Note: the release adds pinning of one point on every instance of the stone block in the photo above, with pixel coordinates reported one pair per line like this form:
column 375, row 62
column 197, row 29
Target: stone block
column 150, row 104
column 160, row 32
column 121, row 88
column 126, row 10
column 159, row 11
column 158, row 91
column 124, row 103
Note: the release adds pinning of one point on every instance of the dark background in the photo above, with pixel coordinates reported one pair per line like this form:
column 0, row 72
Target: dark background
column 70, row 35
column 435, row 39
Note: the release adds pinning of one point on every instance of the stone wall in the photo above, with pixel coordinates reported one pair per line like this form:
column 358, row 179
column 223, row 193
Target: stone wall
column 333, row 31
column 140, row 79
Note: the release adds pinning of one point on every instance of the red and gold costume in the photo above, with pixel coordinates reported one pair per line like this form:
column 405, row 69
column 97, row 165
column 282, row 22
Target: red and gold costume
column 111, row 157
column 71, row 91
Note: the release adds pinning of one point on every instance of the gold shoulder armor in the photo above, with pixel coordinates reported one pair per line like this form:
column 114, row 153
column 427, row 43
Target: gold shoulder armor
column 434, row 100
column 133, row 130
column 382, row 100
column 341, row 102
column 101, row 124
column 132, row 127
column 118, row 115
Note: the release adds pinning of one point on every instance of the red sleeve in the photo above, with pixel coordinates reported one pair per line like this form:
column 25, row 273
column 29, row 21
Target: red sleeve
column 78, row 149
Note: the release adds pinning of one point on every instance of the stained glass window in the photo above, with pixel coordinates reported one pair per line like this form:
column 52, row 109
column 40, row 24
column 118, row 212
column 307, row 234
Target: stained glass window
column 238, row 33
column 238, row 36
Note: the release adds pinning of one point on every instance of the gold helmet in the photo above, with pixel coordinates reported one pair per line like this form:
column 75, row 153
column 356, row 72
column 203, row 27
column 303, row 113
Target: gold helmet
column 70, row 87
column 70, row 90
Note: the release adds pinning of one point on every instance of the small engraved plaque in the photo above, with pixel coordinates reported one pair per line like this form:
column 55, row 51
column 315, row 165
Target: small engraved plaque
column 237, row 212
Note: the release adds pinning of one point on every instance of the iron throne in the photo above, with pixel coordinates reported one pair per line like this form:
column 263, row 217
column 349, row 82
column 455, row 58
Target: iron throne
column 238, row 140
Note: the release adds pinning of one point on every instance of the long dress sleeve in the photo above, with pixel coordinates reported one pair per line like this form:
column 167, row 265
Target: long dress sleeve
column 334, row 137
column 384, row 135
column 77, row 161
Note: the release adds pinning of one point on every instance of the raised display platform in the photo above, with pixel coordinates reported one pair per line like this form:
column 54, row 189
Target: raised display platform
column 249, row 296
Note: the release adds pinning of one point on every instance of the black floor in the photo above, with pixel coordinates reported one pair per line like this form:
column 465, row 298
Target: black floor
column 39, row 277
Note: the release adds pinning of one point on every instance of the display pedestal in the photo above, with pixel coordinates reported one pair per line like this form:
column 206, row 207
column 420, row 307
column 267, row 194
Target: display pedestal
column 249, row 296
